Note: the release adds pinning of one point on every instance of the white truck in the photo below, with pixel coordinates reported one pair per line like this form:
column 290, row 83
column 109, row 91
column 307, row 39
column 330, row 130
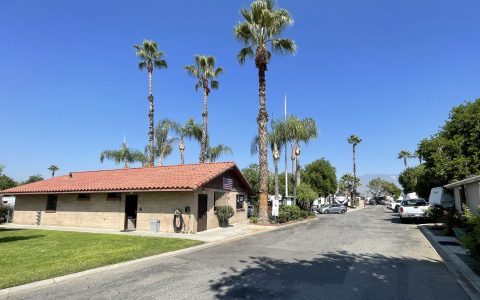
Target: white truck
column 413, row 209
column 441, row 197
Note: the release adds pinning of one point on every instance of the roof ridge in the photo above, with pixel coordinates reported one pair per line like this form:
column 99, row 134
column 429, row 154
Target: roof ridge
column 154, row 167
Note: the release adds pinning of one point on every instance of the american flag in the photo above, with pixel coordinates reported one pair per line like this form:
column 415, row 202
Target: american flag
column 227, row 183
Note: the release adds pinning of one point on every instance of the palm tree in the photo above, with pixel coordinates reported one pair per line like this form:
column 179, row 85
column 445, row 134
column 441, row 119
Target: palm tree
column 404, row 154
column 124, row 154
column 53, row 169
column 165, row 143
column 276, row 141
column 204, row 70
column 354, row 140
column 188, row 130
column 213, row 153
column 150, row 58
column 262, row 27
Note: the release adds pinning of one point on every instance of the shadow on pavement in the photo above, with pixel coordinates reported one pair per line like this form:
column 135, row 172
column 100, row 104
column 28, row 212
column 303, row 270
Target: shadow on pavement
column 339, row 275
column 19, row 238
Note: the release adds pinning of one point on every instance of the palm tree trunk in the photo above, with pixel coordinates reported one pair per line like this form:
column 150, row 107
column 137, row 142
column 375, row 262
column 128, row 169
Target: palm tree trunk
column 297, row 174
column 151, row 144
column 405, row 162
column 181, row 147
column 53, row 174
column 276, row 179
column 294, row 186
column 262, row 120
column 204, row 141
column 354, row 176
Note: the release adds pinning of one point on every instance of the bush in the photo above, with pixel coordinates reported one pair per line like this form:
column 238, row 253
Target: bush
column 224, row 212
column 291, row 213
column 3, row 212
column 305, row 195
column 471, row 239
column 435, row 214
column 254, row 219
column 452, row 219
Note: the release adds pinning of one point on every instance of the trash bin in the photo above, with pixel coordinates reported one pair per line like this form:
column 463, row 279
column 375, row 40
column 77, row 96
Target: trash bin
column 154, row 225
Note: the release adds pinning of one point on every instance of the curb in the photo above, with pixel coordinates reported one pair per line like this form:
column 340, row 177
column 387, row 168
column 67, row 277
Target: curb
column 51, row 281
column 467, row 279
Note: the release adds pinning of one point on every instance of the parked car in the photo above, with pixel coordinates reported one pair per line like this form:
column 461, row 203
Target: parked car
column 333, row 208
column 413, row 209
column 372, row 202
column 394, row 206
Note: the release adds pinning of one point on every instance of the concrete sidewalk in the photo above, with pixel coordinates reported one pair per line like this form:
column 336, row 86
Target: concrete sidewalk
column 448, row 247
column 212, row 235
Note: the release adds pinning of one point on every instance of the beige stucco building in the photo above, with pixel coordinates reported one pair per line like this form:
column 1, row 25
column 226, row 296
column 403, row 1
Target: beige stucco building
column 130, row 198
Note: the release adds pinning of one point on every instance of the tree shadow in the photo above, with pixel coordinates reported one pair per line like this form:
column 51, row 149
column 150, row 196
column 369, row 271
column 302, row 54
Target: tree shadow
column 336, row 275
column 19, row 238
column 9, row 229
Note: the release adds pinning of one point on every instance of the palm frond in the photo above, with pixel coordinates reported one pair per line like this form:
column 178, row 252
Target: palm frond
column 284, row 46
column 244, row 54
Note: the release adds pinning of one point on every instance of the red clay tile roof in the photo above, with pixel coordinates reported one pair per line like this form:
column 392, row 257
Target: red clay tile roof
column 178, row 177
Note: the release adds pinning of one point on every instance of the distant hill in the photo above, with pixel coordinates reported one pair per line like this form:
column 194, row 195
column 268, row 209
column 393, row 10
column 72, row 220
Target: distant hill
column 365, row 179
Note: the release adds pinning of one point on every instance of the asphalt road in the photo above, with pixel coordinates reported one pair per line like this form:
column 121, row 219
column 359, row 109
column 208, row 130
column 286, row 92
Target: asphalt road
column 364, row 254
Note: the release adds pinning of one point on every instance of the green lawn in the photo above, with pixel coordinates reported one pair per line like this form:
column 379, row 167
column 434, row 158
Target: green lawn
column 28, row 255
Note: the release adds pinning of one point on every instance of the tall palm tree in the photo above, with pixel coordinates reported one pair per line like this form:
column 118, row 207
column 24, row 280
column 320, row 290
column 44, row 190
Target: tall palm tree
column 213, row 153
column 190, row 130
column 165, row 142
column 404, row 154
column 205, row 72
column 354, row 140
column 276, row 141
column 124, row 154
column 53, row 169
column 260, row 30
column 150, row 58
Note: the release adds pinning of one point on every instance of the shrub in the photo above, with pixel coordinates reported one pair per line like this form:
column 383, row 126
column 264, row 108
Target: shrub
column 224, row 212
column 471, row 239
column 254, row 219
column 435, row 214
column 291, row 213
column 305, row 195
column 3, row 212
column 452, row 219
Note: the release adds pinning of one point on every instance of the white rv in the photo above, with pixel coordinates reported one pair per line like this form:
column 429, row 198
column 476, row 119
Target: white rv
column 441, row 197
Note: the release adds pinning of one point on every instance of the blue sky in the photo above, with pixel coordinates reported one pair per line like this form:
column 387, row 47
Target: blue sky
column 388, row 71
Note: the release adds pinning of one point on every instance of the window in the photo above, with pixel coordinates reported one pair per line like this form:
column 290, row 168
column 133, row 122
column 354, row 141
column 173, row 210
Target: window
column 240, row 200
column 83, row 197
column 113, row 196
column 51, row 203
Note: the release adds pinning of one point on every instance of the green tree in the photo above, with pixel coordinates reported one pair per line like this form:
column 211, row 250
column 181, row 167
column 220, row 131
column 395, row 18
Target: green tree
column 6, row 182
column 124, row 154
column 404, row 154
column 321, row 176
column 347, row 184
column 296, row 131
column 380, row 188
column 205, row 72
column 190, row 130
column 165, row 143
column 305, row 195
column 33, row 178
column 53, row 169
column 262, row 27
column 213, row 153
column 252, row 174
column 150, row 58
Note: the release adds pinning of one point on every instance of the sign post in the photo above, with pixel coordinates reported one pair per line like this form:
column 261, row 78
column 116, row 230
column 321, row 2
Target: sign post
column 275, row 207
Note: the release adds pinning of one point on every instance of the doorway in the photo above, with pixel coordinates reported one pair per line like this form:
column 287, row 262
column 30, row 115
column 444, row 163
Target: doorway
column 202, row 213
column 131, row 203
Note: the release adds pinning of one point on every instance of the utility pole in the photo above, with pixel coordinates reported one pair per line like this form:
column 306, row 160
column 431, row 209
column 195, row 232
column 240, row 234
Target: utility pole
column 286, row 159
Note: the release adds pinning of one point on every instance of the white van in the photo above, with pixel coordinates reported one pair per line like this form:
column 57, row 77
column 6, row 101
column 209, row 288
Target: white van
column 441, row 197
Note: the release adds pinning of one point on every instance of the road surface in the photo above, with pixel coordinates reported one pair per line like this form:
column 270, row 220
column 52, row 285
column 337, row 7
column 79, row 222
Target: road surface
column 364, row 254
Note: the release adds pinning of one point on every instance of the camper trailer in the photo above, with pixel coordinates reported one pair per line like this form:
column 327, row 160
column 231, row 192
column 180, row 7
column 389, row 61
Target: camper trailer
column 442, row 197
